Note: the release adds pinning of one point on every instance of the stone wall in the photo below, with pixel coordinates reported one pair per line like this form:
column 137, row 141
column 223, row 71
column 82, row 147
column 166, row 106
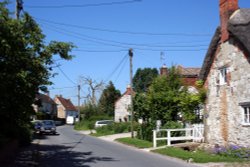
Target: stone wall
column 224, row 115
column 122, row 107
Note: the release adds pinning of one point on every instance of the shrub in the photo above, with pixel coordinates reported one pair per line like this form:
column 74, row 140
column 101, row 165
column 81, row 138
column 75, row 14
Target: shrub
column 145, row 131
column 173, row 125
column 114, row 128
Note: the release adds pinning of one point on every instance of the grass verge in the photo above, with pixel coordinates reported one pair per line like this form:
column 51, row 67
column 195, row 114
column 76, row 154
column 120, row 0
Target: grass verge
column 196, row 156
column 135, row 142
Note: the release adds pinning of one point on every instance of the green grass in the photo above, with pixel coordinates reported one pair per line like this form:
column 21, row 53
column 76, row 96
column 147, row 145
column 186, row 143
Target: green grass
column 135, row 142
column 198, row 156
column 102, row 134
column 83, row 125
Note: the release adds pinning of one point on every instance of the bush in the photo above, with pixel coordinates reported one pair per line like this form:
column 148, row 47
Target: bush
column 115, row 128
column 174, row 125
column 84, row 125
column 145, row 131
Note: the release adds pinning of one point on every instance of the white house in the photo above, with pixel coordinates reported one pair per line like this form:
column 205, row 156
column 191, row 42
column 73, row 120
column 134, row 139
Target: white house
column 122, row 105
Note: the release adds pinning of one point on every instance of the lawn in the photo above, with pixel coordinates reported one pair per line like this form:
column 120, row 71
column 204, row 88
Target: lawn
column 196, row 156
column 135, row 142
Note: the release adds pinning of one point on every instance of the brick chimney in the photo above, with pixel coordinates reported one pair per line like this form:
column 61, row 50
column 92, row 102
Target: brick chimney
column 164, row 70
column 129, row 90
column 227, row 7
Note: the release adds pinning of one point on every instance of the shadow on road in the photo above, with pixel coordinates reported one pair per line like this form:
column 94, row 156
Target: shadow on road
column 59, row 155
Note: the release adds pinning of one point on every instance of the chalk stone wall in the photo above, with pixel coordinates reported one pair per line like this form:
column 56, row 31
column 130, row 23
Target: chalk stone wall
column 224, row 115
column 122, row 107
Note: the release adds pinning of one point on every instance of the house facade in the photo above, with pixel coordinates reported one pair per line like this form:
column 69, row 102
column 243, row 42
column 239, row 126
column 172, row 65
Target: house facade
column 65, row 108
column 226, row 73
column 122, row 113
column 46, row 105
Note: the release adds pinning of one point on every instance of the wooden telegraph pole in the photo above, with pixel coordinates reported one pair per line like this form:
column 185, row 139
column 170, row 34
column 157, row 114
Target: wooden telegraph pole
column 79, row 114
column 130, row 52
column 19, row 7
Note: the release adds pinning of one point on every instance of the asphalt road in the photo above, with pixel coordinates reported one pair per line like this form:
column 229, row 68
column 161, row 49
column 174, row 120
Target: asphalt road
column 70, row 148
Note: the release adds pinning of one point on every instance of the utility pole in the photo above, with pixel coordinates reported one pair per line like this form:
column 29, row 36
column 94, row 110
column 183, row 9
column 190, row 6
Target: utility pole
column 19, row 7
column 79, row 88
column 130, row 52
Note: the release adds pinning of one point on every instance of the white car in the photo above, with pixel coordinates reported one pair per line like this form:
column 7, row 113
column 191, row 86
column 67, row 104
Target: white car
column 103, row 123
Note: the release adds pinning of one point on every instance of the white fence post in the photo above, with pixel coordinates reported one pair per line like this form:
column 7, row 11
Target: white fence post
column 154, row 138
column 169, row 137
column 195, row 134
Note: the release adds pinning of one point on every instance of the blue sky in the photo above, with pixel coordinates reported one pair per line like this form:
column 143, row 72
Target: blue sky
column 103, row 31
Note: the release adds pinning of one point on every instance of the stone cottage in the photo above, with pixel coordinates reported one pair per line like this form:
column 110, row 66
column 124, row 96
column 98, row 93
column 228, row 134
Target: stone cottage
column 122, row 113
column 226, row 73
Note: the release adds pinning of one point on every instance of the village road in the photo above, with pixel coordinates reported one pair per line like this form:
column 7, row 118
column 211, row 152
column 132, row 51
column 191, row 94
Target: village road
column 72, row 149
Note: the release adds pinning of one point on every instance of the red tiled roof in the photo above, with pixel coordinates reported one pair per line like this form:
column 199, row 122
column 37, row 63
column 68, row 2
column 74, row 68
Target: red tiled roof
column 190, row 71
column 67, row 103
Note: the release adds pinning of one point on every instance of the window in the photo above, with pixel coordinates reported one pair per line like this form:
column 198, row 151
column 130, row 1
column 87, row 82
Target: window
column 223, row 76
column 246, row 115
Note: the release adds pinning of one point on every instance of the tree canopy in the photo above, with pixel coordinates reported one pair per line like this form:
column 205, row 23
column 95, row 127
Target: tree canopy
column 143, row 78
column 107, row 100
column 167, row 100
column 25, row 69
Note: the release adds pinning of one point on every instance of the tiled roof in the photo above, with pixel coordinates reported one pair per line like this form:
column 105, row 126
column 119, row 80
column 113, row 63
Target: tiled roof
column 45, row 98
column 67, row 103
column 190, row 71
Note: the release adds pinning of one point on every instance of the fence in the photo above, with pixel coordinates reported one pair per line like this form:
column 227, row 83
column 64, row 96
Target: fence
column 195, row 134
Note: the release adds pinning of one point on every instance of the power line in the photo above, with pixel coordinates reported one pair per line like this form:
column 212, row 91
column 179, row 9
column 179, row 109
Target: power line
column 86, row 5
column 86, row 50
column 95, row 40
column 67, row 87
column 124, row 32
column 121, row 69
column 66, row 76
column 117, row 67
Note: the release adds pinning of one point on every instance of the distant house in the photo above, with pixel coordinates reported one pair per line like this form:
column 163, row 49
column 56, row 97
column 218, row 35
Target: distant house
column 46, row 106
column 65, row 108
column 122, row 105
column 226, row 72
column 188, row 75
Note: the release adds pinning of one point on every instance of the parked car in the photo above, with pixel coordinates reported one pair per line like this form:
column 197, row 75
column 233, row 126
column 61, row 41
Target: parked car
column 37, row 126
column 101, row 123
column 48, row 126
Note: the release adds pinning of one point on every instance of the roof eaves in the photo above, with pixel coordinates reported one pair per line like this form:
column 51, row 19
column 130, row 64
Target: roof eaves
column 210, row 55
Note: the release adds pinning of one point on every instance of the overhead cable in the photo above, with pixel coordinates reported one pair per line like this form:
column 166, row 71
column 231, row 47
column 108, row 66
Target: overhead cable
column 84, row 5
column 126, row 32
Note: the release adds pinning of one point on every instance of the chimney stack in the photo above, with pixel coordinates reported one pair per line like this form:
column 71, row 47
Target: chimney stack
column 129, row 90
column 164, row 70
column 227, row 7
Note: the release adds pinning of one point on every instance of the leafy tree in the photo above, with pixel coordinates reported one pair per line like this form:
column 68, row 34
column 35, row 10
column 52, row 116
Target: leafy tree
column 107, row 101
column 167, row 98
column 143, row 78
column 163, row 96
column 141, row 107
column 25, row 69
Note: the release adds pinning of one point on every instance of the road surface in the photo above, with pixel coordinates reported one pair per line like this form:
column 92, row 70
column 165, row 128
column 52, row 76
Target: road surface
column 72, row 149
